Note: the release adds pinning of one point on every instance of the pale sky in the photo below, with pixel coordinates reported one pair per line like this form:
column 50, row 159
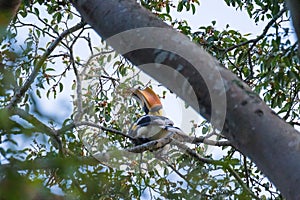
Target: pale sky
column 210, row 10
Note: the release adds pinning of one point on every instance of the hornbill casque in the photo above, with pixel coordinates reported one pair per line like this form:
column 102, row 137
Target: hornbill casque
column 153, row 125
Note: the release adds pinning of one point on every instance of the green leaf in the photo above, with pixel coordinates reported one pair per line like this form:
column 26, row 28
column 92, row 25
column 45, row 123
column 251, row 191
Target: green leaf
column 2, row 152
column 48, row 93
column 74, row 85
column 27, row 108
column 180, row 6
column 36, row 11
column 54, row 94
column 61, row 87
column 38, row 93
column 193, row 8
column 23, row 13
column 168, row 8
column 38, row 32
column 188, row 6
column 109, row 58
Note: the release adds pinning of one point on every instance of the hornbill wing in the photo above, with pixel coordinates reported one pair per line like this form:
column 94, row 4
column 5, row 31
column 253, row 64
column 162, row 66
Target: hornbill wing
column 179, row 135
column 150, row 127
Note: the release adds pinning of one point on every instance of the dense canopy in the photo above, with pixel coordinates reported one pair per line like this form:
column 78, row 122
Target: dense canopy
column 66, row 104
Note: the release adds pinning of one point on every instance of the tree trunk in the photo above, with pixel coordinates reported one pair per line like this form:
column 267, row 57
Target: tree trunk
column 196, row 77
column 294, row 6
column 8, row 10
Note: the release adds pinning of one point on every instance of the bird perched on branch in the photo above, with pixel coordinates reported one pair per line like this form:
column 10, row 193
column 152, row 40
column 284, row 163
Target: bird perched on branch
column 153, row 125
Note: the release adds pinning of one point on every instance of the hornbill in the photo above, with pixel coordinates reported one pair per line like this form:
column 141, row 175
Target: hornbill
column 153, row 125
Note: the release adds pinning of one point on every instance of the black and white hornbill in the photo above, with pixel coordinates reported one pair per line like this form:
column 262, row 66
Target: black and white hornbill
column 153, row 125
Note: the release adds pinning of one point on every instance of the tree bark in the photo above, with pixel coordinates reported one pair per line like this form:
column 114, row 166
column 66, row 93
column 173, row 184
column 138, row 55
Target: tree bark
column 248, row 123
column 294, row 7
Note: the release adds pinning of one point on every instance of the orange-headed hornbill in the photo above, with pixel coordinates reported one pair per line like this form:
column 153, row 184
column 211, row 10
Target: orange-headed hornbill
column 153, row 125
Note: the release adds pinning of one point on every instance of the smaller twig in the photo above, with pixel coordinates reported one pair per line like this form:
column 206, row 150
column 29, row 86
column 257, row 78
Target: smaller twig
column 152, row 145
column 261, row 36
column 58, row 55
column 181, row 176
column 240, row 72
column 204, row 140
column 22, row 90
column 85, row 123
column 198, row 157
column 110, row 78
column 210, row 134
column 46, row 24
column 194, row 154
column 192, row 140
column 240, row 181
column 295, row 123
column 90, row 43
column 22, row 24
column 250, row 67
column 78, row 115
column 295, row 92
column 174, row 169
column 246, row 171
column 78, row 81
column 92, row 57
column 39, row 126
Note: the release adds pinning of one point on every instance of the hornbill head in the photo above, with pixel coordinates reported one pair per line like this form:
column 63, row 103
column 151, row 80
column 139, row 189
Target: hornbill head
column 149, row 100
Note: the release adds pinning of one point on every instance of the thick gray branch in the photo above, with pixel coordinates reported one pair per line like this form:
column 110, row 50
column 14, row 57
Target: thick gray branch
column 250, row 125
column 294, row 6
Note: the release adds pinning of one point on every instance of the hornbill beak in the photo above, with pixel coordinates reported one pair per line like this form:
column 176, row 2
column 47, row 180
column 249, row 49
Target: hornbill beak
column 149, row 100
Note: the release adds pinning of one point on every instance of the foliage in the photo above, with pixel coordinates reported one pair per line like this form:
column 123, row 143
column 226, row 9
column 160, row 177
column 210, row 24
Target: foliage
column 44, row 155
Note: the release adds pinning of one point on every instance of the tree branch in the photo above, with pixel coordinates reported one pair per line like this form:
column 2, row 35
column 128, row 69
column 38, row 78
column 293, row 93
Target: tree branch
column 22, row 90
column 157, row 144
column 152, row 145
column 77, row 124
column 240, row 181
column 226, row 166
column 194, row 187
column 189, row 139
column 204, row 140
column 79, row 113
column 294, row 6
column 261, row 36
column 49, row 163
column 85, row 123
column 38, row 126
